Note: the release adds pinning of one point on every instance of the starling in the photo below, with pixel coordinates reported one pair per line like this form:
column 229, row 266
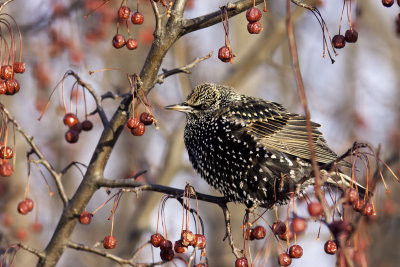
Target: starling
column 252, row 150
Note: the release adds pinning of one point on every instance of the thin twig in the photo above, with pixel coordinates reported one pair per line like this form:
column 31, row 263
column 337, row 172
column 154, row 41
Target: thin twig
column 228, row 233
column 32, row 250
column 4, row 4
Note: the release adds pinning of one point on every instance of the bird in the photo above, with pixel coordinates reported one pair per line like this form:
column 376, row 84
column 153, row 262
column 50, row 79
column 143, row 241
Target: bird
column 252, row 150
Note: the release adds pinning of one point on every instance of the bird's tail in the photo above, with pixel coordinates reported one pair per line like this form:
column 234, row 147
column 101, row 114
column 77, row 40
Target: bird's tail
column 342, row 181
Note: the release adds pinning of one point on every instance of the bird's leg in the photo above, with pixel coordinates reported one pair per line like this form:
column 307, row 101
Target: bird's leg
column 228, row 233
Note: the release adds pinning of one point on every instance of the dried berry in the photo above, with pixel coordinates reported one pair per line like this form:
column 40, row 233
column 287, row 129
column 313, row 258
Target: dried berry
column 351, row 36
column 6, row 169
column 351, row 196
column 225, row 54
column 3, row 87
column 241, row 262
column 338, row 41
column 295, row 251
column 387, row 3
column 298, row 225
column 22, row 208
column 315, row 209
column 179, row 248
column 247, row 234
column 278, row 228
column 368, row 210
column 118, row 41
column 359, row 205
column 6, row 72
column 87, row 125
column 72, row 136
column 188, row 238
column 124, row 12
column 12, row 86
column 19, row 67
column 29, row 203
column 254, row 27
column 109, row 242
column 340, row 227
column 137, row 18
column 165, row 244
column 253, row 14
column 85, row 217
column 77, row 127
column 139, row 131
column 259, row 232
column 200, row 241
column 156, row 239
column 70, row 119
column 330, row 247
column 131, row 44
column 167, row 255
column 284, row 259
column 132, row 123
column 288, row 235
column 6, row 152
column 146, row 118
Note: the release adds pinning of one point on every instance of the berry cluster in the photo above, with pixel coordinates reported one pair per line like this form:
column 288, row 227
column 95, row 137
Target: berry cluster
column 75, row 127
column 339, row 41
column 137, row 126
column 9, row 85
column 25, row 206
column 253, row 16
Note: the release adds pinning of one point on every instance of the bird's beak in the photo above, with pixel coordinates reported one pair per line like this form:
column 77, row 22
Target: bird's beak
column 183, row 107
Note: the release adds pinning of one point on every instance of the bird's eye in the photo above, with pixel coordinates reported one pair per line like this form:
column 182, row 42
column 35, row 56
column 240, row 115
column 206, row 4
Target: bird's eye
column 203, row 106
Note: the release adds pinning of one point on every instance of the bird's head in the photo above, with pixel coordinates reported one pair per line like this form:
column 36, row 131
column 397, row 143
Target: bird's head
column 206, row 98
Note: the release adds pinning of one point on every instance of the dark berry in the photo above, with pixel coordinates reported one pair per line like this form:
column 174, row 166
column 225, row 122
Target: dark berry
column 6, row 72
column 188, row 238
column 72, row 136
column 241, row 262
column 109, row 242
column 359, row 205
column 132, row 123
column 85, row 217
column 3, row 87
column 351, row 36
column 259, row 232
column 77, row 127
column 295, row 251
column 340, row 227
column 253, row 14
column 12, row 86
column 156, row 239
column 330, row 247
column 254, row 27
column 165, row 244
column 137, row 18
column 338, row 41
column 351, row 196
column 179, row 248
column 70, row 119
column 139, row 131
column 279, row 228
column 29, row 203
column 167, row 255
column 298, row 225
column 87, row 125
column 225, row 54
column 387, row 3
column 124, row 12
column 6, row 169
column 19, row 67
column 146, row 118
column 118, row 41
column 284, row 259
column 248, row 234
column 288, row 235
column 131, row 44
column 200, row 241
column 368, row 210
column 22, row 208
column 315, row 209
column 6, row 152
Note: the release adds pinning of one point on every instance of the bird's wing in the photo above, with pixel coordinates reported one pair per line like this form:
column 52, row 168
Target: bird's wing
column 277, row 129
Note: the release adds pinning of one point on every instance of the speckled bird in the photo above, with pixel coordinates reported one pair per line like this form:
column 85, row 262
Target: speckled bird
column 252, row 150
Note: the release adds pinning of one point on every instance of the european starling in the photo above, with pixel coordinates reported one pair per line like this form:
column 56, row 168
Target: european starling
column 252, row 150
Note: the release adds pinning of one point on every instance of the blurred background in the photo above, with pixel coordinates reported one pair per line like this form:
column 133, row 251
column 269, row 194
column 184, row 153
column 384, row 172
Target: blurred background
column 356, row 98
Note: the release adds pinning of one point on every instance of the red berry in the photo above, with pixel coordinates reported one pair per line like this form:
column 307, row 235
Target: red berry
column 131, row 44
column 359, row 205
column 167, row 255
column 29, row 203
column 132, row 123
column 146, row 118
column 156, row 239
column 109, row 242
column 3, row 87
column 351, row 196
column 77, row 127
column 368, row 210
column 37, row 227
column 19, row 67
column 6, row 72
column 118, row 41
column 241, row 262
column 288, row 235
column 22, row 208
column 72, row 136
column 315, row 209
column 253, row 14
column 298, row 225
column 70, row 119
column 188, row 238
column 279, row 228
column 12, row 86
column 284, row 259
column 124, row 12
column 330, row 247
column 165, row 244
column 200, row 241
column 225, row 54
column 137, row 18
column 259, row 232
column 387, row 3
column 254, row 27
column 296, row 251
column 21, row 234
column 6, row 152
column 138, row 131
column 85, row 217
column 179, row 248
column 87, row 125
column 248, row 234
column 351, row 36
column 338, row 41
column 6, row 169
